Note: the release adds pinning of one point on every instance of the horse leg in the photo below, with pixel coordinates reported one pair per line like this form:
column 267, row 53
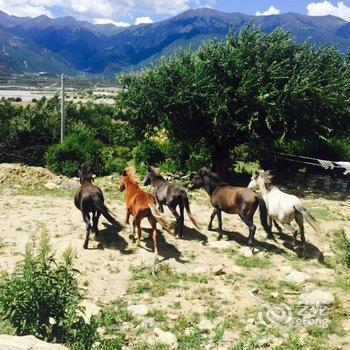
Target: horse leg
column 95, row 217
column 86, row 218
column 252, row 228
column 178, row 221
column 138, row 226
column 153, row 224
column 220, row 224
column 212, row 216
column 127, row 219
column 182, row 219
column 294, row 232
column 279, row 228
column 300, row 221
column 160, row 207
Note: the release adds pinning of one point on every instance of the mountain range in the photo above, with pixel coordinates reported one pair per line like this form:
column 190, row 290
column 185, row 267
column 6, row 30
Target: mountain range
column 66, row 45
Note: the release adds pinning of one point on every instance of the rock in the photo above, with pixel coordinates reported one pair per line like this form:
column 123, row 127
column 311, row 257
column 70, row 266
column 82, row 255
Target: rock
column 255, row 290
column 51, row 185
column 90, row 310
column 221, row 244
column 230, row 336
column 28, row 342
column 200, row 270
column 263, row 342
column 286, row 269
column 138, row 310
column 173, row 316
column 246, row 252
column 324, row 274
column 297, row 277
column 166, row 338
column 101, row 331
column 274, row 295
column 316, row 298
column 276, row 342
column 206, row 325
column 218, row 270
column 70, row 184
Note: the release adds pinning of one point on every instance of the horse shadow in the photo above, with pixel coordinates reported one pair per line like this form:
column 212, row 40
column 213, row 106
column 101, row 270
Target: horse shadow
column 311, row 251
column 110, row 238
column 165, row 249
column 258, row 245
column 191, row 234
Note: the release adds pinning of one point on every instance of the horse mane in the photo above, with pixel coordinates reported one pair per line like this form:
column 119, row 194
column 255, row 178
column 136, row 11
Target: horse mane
column 268, row 179
column 155, row 172
column 212, row 178
column 86, row 172
column 130, row 174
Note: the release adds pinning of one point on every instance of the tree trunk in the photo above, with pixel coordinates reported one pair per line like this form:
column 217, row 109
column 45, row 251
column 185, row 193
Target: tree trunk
column 222, row 163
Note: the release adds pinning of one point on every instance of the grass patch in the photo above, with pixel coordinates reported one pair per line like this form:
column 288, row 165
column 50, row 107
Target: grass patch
column 253, row 262
column 144, row 279
column 343, row 244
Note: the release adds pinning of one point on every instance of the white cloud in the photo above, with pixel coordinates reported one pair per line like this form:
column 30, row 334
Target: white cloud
column 24, row 8
column 143, row 20
column 110, row 21
column 270, row 11
column 327, row 8
column 105, row 9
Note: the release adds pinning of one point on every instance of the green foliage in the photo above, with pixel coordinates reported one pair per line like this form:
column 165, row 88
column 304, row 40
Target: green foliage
column 79, row 146
column 42, row 298
column 115, row 159
column 254, row 89
column 343, row 244
column 148, row 152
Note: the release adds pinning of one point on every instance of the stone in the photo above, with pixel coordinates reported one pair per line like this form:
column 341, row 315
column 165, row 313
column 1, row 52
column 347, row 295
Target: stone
column 90, row 310
column 297, row 277
column 28, row 342
column 316, row 298
column 274, row 295
column 166, row 338
column 200, row 270
column 138, row 310
column 206, row 325
column 221, row 244
column 246, row 252
column 50, row 185
column 230, row 336
column 219, row 270
column 286, row 269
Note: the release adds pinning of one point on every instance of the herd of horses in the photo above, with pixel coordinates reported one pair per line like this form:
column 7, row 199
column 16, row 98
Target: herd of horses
column 275, row 206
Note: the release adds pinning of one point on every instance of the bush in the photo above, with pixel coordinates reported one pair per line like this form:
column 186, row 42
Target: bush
column 115, row 159
column 148, row 152
column 42, row 298
column 79, row 146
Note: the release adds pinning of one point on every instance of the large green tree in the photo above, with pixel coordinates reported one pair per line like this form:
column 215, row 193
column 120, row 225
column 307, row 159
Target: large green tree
column 254, row 89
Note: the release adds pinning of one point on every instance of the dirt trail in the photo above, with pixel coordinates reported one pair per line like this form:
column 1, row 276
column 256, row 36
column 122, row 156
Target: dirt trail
column 105, row 273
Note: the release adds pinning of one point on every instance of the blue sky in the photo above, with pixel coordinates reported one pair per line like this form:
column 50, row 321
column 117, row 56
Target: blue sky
column 128, row 12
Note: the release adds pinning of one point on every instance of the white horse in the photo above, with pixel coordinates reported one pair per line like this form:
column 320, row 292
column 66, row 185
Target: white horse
column 282, row 207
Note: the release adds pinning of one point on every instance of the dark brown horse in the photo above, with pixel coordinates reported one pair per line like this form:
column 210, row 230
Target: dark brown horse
column 171, row 195
column 231, row 200
column 89, row 199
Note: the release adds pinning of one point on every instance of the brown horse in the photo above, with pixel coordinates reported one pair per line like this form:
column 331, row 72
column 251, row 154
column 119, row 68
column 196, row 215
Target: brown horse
column 231, row 200
column 141, row 204
column 171, row 195
column 89, row 199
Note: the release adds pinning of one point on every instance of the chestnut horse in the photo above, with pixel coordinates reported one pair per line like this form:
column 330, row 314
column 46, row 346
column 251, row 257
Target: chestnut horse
column 89, row 199
column 141, row 204
column 231, row 200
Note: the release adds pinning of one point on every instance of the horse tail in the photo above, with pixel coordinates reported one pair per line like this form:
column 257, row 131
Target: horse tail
column 308, row 217
column 166, row 225
column 263, row 215
column 188, row 210
column 100, row 205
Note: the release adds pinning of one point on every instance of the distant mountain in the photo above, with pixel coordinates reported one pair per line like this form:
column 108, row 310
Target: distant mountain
column 108, row 49
column 18, row 54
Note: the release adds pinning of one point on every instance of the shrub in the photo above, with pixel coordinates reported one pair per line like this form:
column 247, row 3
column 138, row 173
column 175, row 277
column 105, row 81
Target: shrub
column 115, row 159
column 79, row 146
column 148, row 152
column 42, row 298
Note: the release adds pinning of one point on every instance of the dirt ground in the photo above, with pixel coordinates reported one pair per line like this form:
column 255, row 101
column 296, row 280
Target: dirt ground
column 234, row 286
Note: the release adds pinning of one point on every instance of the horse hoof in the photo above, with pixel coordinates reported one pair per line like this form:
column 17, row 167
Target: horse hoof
column 85, row 246
column 210, row 228
column 219, row 238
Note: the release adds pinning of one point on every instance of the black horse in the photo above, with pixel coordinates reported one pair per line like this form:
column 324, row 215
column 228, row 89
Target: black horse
column 231, row 200
column 89, row 199
column 171, row 195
